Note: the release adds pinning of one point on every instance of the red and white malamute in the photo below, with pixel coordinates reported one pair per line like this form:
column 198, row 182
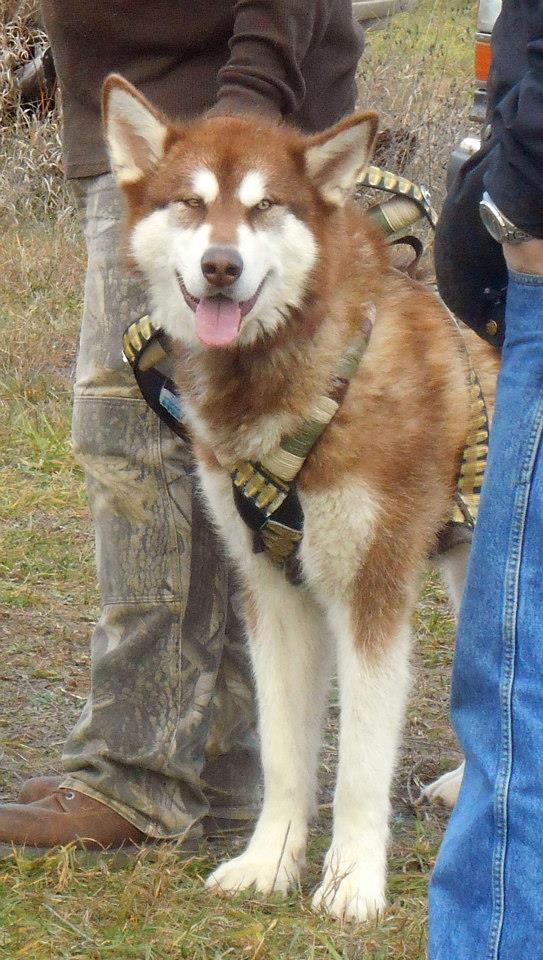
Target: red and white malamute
column 264, row 274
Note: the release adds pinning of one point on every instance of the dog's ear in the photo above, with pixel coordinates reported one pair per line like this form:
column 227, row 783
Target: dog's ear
column 135, row 132
column 337, row 158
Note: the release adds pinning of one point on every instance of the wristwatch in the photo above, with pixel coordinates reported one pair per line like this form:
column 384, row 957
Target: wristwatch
column 498, row 224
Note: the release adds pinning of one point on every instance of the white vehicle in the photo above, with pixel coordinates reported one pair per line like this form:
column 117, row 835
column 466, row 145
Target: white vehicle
column 486, row 18
column 374, row 12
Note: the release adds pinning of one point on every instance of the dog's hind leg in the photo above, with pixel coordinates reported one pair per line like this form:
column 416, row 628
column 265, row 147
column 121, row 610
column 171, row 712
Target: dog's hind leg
column 453, row 566
column 291, row 662
column 373, row 678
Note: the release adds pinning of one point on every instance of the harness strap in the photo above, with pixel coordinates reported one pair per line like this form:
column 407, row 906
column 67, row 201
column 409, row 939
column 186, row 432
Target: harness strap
column 379, row 179
column 145, row 345
column 265, row 492
column 474, row 458
column 273, row 512
column 393, row 216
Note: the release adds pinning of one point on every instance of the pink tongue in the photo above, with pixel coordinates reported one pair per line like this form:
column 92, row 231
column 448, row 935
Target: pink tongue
column 217, row 320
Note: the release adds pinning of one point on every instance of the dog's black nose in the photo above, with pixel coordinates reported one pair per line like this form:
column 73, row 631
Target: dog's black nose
column 221, row 265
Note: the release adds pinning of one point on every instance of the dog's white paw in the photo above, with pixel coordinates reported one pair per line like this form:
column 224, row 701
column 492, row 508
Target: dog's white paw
column 265, row 871
column 445, row 789
column 350, row 890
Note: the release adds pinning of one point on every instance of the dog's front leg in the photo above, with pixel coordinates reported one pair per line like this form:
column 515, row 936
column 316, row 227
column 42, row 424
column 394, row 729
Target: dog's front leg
column 373, row 679
column 292, row 670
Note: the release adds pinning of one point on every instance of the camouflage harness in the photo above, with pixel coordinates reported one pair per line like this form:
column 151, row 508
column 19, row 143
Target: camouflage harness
column 264, row 492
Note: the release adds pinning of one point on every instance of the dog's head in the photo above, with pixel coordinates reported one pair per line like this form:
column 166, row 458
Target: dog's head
column 226, row 214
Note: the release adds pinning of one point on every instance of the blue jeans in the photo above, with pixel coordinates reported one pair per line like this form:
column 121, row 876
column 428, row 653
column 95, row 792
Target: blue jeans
column 486, row 893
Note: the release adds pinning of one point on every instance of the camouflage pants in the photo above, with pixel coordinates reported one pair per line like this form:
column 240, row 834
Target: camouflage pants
column 168, row 732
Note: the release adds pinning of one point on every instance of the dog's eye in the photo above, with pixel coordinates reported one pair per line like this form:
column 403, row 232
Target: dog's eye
column 195, row 202
column 264, row 204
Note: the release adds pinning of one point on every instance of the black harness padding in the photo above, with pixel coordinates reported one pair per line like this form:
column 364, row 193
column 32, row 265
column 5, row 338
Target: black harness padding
column 289, row 514
column 161, row 395
column 144, row 345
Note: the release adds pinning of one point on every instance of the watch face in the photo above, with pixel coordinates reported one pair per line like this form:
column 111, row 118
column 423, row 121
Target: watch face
column 491, row 221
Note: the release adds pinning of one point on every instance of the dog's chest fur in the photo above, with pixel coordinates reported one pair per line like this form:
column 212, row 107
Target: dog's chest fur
column 385, row 467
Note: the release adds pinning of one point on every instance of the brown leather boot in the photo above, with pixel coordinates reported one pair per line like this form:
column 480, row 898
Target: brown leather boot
column 39, row 787
column 63, row 817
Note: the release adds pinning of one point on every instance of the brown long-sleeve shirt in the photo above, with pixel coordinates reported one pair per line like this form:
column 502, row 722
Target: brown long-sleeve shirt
column 294, row 59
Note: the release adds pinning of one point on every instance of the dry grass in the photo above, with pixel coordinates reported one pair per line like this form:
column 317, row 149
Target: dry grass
column 11, row 10
column 31, row 182
column 155, row 906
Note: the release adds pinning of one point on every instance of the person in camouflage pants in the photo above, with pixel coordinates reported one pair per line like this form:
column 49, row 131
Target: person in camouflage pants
column 167, row 735
column 170, row 722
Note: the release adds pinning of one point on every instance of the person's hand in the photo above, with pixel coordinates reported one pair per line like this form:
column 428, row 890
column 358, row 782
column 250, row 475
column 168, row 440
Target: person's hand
column 524, row 257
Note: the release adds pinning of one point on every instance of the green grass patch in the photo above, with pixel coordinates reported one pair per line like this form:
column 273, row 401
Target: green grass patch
column 156, row 907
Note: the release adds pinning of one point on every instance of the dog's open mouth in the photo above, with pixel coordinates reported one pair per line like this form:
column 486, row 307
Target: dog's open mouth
column 218, row 318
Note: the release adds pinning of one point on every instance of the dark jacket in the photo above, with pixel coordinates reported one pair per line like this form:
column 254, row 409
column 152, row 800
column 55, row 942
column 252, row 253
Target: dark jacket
column 292, row 59
column 470, row 265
